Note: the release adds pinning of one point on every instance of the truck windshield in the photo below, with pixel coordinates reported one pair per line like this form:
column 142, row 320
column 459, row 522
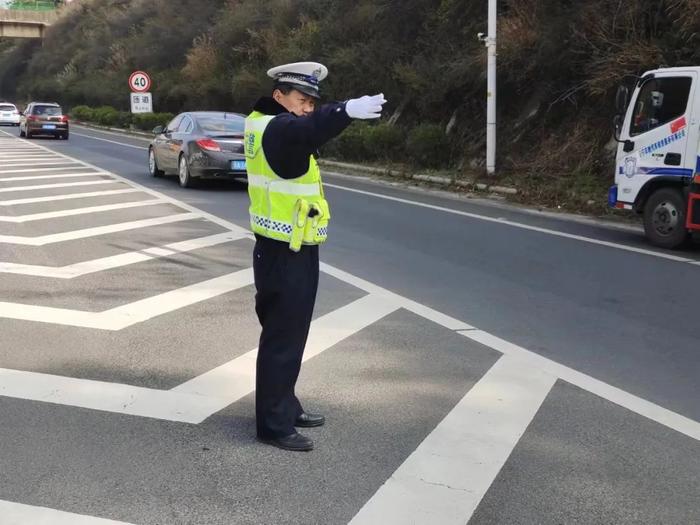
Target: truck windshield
column 660, row 101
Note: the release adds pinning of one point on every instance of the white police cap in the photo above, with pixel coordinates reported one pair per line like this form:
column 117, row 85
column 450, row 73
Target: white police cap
column 302, row 76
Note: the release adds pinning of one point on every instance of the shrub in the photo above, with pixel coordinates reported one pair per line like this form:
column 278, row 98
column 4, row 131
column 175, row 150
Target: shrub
column 350, row 145
column 428, row 146
column 105, row 115
column 82, row 113
column 383, row 142
column 124, row 119
column 148, row 121
column 364, row 141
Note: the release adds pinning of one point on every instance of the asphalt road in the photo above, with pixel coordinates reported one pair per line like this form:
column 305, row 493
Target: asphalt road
column 609, row 434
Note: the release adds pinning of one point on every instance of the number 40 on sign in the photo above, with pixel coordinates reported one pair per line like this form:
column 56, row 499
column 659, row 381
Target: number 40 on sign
column 141, row 99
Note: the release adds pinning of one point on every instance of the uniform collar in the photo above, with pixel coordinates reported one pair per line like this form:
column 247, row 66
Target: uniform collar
column 269, row 106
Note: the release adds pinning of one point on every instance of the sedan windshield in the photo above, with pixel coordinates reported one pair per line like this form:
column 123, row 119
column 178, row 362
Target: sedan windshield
column 7, row 107
column 221, row 126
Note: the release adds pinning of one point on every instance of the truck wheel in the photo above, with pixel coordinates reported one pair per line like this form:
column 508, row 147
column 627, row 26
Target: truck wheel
column 664, row 218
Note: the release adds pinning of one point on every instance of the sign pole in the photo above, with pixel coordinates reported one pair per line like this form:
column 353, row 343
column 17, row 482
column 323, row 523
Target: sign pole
column 491, row 90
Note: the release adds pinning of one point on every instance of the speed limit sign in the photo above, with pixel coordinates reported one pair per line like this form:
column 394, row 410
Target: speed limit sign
column 139, row 82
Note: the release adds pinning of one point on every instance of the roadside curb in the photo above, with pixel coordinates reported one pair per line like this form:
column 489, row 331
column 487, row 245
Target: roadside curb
column 443, row 181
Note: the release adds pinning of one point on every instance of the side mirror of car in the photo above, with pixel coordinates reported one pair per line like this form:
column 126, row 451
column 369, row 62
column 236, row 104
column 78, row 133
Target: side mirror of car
column 158, row 130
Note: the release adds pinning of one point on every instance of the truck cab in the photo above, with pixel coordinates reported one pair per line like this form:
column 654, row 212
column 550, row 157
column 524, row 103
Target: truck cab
column 657, row 172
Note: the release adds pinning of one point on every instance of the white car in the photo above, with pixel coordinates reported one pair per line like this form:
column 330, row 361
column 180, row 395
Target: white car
column 9, row 114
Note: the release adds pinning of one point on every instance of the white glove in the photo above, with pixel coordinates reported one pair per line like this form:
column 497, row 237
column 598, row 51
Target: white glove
column 365, row 107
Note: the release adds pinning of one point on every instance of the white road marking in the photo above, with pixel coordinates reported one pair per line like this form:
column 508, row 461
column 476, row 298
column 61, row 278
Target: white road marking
column 111, row 141
column 629, row 401
column 116, row 261
column 59, row 185
column 107, row 397
column 613, row 394
column 26, row 157
column 43, row 163
column 78, row 211
column 513, row 224
column 498, row 220
column 18, row 514
column 449, row 473
column 35, row 170
column 55, row 176
column 43, row 240
column 133, row 313
column 528, row 363
column 236, row 379
column 67, row 196
column 195, row 400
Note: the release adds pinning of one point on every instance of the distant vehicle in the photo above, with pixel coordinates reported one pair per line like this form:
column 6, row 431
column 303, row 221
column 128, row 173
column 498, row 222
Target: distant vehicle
column 44, row 118
column 199, row 145
column 9, row 114
column 657, row 171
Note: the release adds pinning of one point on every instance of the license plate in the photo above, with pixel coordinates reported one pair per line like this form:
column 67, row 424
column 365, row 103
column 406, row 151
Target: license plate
column 49, row 126
column 238, row 165
column 7, row 114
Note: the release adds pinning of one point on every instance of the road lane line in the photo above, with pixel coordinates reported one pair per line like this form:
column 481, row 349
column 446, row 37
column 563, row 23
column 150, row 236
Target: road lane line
column 236, row 379
column 42, row 163
column 520, row 225
column 116, row 261
column 670, row 419
column 59, row 185
column 35, row 170
column 18, row 514
column 445, row 478
column 43, row 240
column 52, row 198
column 629, row 401
column 486, row 218
column 107, row 397
column 35, row 156
column 613, row 394
column 132, row 313
column 111, row 141
column 54, row 176
column 77, row 211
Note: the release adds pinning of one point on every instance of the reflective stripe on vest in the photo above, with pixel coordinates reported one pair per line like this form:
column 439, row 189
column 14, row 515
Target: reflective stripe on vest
column 273, row 199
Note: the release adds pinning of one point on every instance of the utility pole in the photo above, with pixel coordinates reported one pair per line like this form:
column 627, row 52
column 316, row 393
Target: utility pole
column 490, row 42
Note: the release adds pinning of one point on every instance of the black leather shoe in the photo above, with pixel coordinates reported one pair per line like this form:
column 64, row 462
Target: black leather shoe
column 296, row 442
column 309, row 420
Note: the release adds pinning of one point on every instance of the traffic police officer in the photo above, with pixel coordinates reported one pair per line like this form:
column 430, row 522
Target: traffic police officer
column 289, row 216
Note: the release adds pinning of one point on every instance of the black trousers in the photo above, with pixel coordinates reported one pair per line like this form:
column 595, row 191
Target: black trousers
column 286, row 284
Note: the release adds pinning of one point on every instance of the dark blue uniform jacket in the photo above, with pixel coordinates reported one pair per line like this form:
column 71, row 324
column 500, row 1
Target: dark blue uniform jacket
column 289, row 141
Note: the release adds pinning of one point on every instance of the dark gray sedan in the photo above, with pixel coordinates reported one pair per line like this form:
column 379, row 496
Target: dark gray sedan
column 199, row 145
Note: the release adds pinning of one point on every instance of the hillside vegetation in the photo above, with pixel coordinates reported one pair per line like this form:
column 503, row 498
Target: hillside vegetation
column 559, row 64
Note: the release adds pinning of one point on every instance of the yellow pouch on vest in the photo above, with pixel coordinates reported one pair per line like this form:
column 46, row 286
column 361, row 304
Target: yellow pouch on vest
column 299, row 221
column 318, row 223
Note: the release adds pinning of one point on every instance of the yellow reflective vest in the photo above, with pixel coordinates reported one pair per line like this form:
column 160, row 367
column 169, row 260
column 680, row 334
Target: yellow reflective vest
column 274, row 201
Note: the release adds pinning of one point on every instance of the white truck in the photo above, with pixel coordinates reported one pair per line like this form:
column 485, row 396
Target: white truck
column 657, row 171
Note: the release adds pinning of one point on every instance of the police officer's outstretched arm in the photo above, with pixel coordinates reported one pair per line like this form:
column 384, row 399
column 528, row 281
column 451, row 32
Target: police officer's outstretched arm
column 312, row 131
